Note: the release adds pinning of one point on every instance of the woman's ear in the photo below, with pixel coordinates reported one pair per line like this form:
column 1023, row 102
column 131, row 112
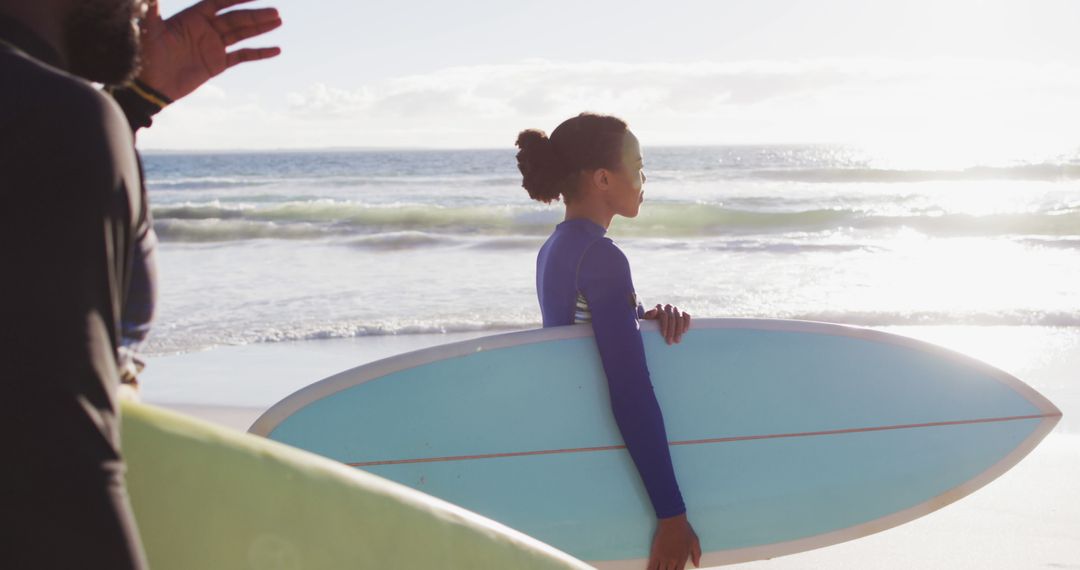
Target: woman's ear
column 601, row 178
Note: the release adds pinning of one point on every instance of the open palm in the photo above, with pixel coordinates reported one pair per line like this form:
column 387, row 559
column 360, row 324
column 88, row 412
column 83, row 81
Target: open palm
column 183, row 52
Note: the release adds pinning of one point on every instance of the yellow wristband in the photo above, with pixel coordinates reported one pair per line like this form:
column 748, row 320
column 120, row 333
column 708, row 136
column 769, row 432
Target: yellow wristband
column 146, row 94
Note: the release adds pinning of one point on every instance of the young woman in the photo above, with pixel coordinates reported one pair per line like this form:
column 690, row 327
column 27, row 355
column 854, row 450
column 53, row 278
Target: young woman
column 593, row 162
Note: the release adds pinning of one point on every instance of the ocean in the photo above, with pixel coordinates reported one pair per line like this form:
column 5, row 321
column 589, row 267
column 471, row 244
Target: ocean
column 281, row 246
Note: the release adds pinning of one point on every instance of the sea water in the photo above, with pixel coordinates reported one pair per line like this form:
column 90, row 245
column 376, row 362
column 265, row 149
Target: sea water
column 259, row 248
column 285, row 246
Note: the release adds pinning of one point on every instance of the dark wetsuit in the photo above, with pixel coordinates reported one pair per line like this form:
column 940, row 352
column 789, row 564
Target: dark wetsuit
column 73, row 208
column 581, row 276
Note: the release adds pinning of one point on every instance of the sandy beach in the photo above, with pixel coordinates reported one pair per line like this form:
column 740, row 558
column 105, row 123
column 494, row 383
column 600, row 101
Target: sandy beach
column 1028, row 518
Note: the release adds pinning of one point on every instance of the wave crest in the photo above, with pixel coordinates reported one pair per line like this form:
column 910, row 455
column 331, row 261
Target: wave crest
column 321, row 218
column 1031, row 172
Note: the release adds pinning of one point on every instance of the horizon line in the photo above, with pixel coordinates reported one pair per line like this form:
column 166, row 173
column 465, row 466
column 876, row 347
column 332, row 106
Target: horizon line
column 462, row 148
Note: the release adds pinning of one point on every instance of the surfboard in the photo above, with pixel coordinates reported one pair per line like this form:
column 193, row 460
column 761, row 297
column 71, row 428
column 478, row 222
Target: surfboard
column 785, row 435
column 212, row 498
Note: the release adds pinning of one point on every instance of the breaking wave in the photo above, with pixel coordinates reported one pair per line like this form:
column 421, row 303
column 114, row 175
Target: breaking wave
column 1032, row 172
column 326, row 218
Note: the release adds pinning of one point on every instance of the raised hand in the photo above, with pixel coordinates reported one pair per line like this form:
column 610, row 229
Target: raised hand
column 185, row 51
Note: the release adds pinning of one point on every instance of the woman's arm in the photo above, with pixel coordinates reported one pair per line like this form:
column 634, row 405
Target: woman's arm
column 604, row 280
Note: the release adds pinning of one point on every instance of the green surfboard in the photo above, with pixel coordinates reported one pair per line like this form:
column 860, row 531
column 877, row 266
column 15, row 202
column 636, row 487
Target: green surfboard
column 210, row 498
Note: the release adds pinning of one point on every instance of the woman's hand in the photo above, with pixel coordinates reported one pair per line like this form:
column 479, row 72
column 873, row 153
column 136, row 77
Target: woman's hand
column 673, row 323
column 674, row 543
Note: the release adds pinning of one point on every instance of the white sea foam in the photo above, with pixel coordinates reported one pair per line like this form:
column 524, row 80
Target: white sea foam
column 659, row 220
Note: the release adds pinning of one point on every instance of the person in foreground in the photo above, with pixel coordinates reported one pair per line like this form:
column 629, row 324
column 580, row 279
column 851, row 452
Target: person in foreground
column 594, row 163
column 76, row 235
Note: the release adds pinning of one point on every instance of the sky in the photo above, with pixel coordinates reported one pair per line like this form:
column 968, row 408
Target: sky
column 990, row 77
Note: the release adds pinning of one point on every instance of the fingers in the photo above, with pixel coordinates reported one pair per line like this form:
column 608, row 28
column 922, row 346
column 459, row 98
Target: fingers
column 672, row 322
column 679, row 326
column 675, row 542
column 682, row 324
column 243, row 24
column 218, row 5
column 244, row 18
column 151, row 20
column 662, row 318
column 235, row 35
column 250, row 54
column 667, row 564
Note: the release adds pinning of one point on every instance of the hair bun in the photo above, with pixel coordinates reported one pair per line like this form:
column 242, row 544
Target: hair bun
column 540, row 167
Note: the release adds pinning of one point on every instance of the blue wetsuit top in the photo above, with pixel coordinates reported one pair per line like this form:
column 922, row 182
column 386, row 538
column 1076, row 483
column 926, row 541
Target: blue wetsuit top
column 581, row 276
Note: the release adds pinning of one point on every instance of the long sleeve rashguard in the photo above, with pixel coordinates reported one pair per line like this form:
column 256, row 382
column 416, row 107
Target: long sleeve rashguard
column 582, row 276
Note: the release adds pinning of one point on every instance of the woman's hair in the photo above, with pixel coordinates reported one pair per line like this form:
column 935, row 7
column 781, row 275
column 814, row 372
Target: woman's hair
column 549, row 165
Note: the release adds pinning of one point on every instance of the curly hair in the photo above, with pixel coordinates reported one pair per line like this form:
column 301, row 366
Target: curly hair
column 549, row 165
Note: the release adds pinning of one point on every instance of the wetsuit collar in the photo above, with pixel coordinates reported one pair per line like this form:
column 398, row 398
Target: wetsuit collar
column 22, row 39
column 584, row 224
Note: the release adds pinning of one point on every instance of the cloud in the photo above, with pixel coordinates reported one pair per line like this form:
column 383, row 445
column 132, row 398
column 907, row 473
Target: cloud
column 680, row 102
column 209, row 93
column 540, row 88
column 321, row 101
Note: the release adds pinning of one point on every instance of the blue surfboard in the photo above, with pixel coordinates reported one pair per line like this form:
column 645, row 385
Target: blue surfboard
column 785, row 435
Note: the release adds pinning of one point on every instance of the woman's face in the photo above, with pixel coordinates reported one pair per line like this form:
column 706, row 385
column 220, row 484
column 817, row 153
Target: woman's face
column 625, row 195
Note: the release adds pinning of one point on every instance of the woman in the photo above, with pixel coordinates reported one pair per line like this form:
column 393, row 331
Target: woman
column 593, row 162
